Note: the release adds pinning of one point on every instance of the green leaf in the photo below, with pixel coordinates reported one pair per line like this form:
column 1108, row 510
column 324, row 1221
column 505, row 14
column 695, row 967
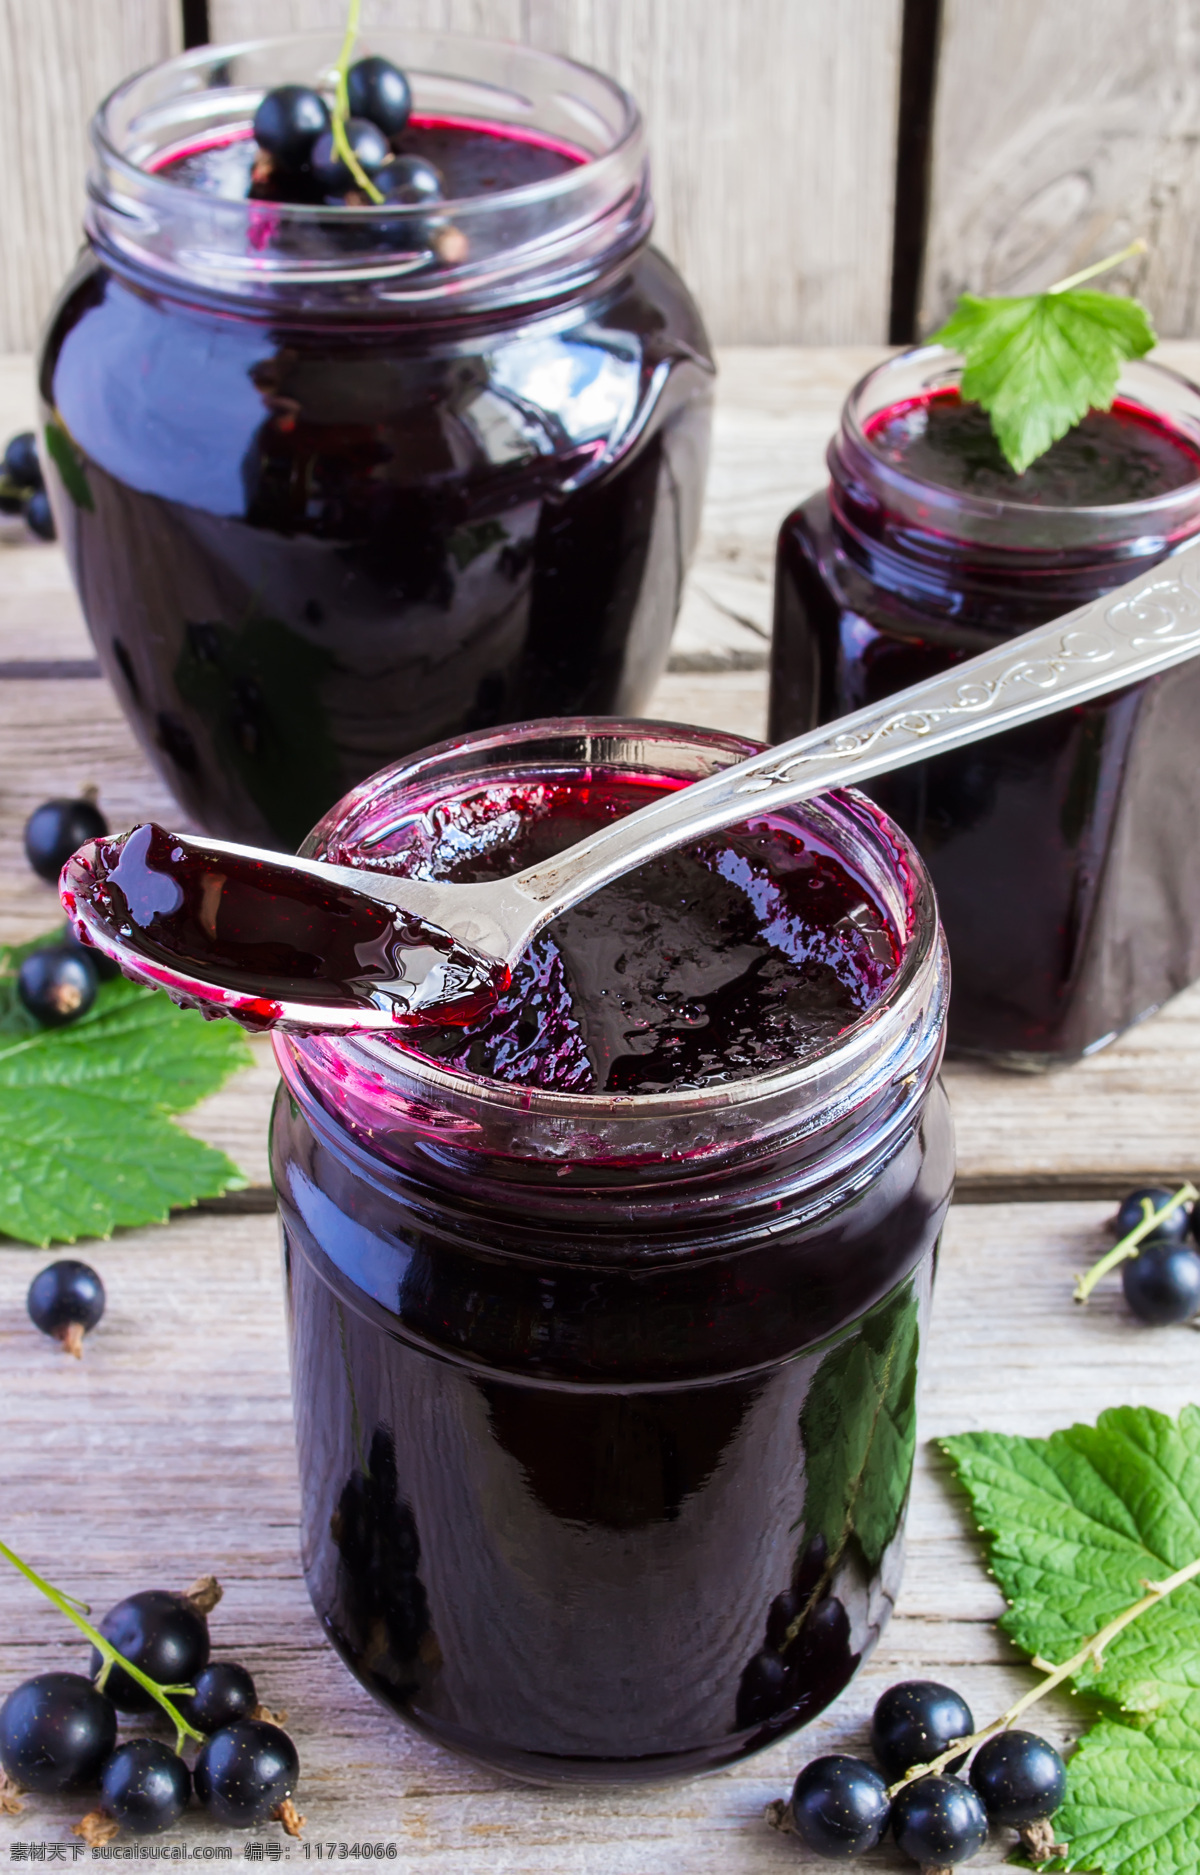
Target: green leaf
column 1133, row 1800
column 86, row 1142
column 859, row 1429
column 1039, row 363
column 69, row 463
column 1080, row 1523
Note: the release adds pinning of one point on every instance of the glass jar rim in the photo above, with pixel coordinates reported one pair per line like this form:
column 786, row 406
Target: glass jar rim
column 925, row 369
column 898, row 1037
column 553, row 229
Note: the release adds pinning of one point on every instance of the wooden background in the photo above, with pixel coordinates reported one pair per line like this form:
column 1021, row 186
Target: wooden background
column 1056, row 133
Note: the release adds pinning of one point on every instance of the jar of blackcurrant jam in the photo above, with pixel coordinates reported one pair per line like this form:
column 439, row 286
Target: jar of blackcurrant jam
column 336, row 482
column 1064, row 854
column 606, row 1310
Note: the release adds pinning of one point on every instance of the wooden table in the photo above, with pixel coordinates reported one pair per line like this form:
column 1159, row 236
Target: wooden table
column 167, row 1452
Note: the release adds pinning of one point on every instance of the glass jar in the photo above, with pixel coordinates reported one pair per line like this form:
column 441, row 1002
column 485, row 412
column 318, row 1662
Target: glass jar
column 337, row 482
column 605, row 1403
column 1063, row 854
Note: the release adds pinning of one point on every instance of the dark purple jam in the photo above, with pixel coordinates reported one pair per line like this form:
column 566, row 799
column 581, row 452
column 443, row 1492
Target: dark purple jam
column 267, row 935
column 1063, row 853
column 1111, row 456
column 307, row 544
column 726, row 958
column 473, row 159
column 605, row 1453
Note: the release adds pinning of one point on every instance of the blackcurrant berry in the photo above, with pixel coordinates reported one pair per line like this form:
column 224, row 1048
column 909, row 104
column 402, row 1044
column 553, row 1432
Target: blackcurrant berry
column 783, row 1612
column 370, row 146
column 21, row 465
column 288, row 122
column 409, row 181
column 1140, row 1204
column 224, row 1695
column 938, row 1821
column 377, row 90
column 763, row 1691
column 1019, row 1777
column 57, row 985
column 246, row 1770
column 914, row 1722
column 1162, row 1282
column 66, row 1300
column 39, row 518
column 161, row 1633
column 105, row 970
column 145, row 1786
column 56, row 1732
column 839, row 1807
column 55, row 829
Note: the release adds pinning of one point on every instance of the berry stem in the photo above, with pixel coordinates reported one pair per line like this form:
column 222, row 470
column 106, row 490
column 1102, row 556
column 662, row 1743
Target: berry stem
column 1128, row 1245
column 1091, row 1651
column 1099, row 266
column 341, row 107
column 69, row 1605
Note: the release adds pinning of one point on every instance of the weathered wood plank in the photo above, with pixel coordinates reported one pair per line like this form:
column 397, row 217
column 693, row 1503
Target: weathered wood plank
column 108, row 1496
column 58, row 59
column 1060, row 132
column 772, row 132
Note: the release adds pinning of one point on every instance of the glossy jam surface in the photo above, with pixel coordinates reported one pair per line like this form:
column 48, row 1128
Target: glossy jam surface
column 269, row 936
column 306, row 546
column 1112, row 456
column 720, row 960
column 1063, row 854
column 472, row 159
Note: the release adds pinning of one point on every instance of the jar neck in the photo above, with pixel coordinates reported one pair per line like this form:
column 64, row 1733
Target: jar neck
column 529, row 245
column 995, row 565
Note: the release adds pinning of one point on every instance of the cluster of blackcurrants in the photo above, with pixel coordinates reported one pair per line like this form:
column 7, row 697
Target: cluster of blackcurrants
column 58, row 1731
column 22, row 490
column 57, row 983
column 301, row 163
column 840, row 1806
column 1162, row 1282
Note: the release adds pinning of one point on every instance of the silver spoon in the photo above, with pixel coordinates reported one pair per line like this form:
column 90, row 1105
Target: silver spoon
column 416, row 950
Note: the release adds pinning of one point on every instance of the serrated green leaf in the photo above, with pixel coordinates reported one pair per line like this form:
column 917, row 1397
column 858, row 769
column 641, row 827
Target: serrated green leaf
column 1039, row 363
column 86, row 1144
column 859, row 1430
column 1133, row 1800
column 67, row 461
column 1080, row 1522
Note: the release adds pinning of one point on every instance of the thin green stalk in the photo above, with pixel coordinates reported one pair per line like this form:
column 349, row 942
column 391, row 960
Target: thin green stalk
column 1092, row 1650
column 68, row 1605
column 1099, row 266
column 1128, row 1245
column 341, row 107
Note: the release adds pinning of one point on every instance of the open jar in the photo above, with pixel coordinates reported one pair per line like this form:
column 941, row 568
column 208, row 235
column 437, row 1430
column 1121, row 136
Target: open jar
column 1063, row 853
column 337, row 482
column 605, row 1400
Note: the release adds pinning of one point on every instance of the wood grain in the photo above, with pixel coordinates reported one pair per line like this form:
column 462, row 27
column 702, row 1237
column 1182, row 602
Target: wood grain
column 1060, row 133
column 58, row 58
column 772, row 132
column 168, row 1451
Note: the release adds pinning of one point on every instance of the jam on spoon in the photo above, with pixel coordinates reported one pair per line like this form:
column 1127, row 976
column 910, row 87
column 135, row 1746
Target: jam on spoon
column 244, row 936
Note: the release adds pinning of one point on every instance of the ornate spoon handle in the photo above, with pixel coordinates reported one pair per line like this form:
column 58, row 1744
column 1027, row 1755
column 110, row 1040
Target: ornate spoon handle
column 1138, row 630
